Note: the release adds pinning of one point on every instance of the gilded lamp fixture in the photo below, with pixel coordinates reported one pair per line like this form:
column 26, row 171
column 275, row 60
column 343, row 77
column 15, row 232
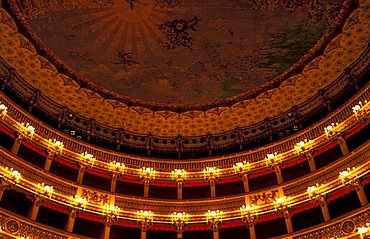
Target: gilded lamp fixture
column 78, row 203
column 211, row 174
column 145, row 219
column 86, row 160
column 147, row 175
column 242, row 168
column 179, row 220
column 361, row 110
column 9, row 177
column 3, row 111
column 214, row 219
column 117, row 168
column 44, row 191
column 54, row 148
column 303, row 147
column 249, row 214
column 179, row 176
column 316, row 193
column 332, row 131
column 274, row 161
column 349, row 178
column 282, row 205
column 26, row 131
column 111, row 213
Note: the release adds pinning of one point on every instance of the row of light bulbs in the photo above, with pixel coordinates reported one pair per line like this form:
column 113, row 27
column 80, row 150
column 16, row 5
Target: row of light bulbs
column 273, row 160
column 248, row 213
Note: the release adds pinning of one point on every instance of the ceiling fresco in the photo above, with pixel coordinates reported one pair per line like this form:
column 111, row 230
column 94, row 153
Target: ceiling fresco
column 179, row 51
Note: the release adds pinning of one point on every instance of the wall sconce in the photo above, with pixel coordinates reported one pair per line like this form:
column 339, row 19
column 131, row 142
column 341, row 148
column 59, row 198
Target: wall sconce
column 361, row 110
column 179, row 176
column 111, row 213
column 249, row 214
column 349, row 178
column 44, row 190
column 147, row 174
column 26, row 131
column 78, row 203
column 211, row 174
column 12, row 176
column 117, row 168
column 282, row 205
column 332, row 131
column 145, row 219
column 214, row 219
column 303, row 147
column 242, row 168
column 3, row 111
column 273, row 161
column 86, row 160
column 179, row 220
column 316, row 193
column 54, row 148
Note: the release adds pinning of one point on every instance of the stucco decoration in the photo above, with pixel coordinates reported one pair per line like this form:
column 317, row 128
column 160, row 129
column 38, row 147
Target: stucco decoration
column 342, row 50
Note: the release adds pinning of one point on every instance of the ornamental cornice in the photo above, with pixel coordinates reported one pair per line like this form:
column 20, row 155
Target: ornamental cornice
column 239, row 121
column 343, row 114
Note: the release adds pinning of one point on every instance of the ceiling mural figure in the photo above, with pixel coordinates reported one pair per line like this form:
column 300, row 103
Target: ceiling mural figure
column 176, row 51
column 177, row 32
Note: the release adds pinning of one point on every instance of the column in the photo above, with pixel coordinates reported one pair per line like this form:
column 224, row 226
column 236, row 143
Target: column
column 106, row 232
column 16, row 145
column 71, row 221
column 252, row 232
column 361, row 195
column 311, row 162
column 245, row 183
column 288, row 222
column 279, row 176
column 2, row 189
column 143, row 234
column 179, row 190
column 343, row 145
column 48, row 162
column 81, row 173
column 179, row 234
column 213, row 188
column 215, row 234
column 34, row 209
column 325, row 211
column 146, row 189
column 113, row 183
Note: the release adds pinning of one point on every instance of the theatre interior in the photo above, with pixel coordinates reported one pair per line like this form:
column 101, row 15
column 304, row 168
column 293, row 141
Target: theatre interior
column 184, row 119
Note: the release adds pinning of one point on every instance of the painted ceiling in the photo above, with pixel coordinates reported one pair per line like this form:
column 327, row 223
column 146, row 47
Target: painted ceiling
column 179, row 51
column 339, row 48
